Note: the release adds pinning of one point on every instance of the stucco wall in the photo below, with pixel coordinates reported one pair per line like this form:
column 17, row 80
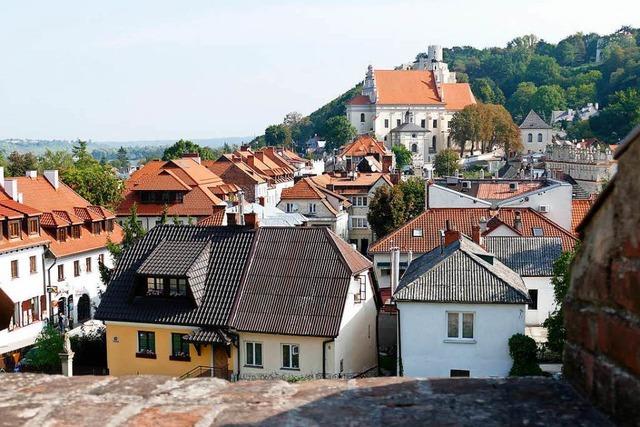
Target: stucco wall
column 557, row 198
column 423, row 331
column 535, row 146
column 546, row 300
column 440, row 197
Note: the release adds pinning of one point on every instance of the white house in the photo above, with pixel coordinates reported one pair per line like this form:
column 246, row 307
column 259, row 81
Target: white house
column 535, row 134
column 458, row 306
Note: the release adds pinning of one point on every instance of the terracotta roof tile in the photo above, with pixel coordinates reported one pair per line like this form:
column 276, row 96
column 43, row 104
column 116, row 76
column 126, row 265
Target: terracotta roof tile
column 360, row 100
column 406, row 87
column 362, row 146
column 579, row 209
column 457, row 95
column 501, row 190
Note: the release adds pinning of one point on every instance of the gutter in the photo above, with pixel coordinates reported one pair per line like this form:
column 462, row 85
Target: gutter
column 324, row 357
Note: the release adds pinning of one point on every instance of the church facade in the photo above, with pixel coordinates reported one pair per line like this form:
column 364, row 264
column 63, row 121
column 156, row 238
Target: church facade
column 428, row 90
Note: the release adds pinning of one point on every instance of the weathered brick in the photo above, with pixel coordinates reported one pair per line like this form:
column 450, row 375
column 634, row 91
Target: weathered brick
column 603, row 390
column 631, row 248
column 581, row 326
column 625, row 289
column 578, row 364
column 620, row 341
column 592, row 284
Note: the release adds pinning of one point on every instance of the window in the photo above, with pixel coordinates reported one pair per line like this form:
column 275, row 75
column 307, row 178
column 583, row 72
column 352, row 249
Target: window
column 359, row 222
column 76, row 268
column 14, row 229
column 459, row 373
column 33, row 264
column 177, row 287
column 87, row 263
column 398, row 122
column 101, row 259
column 539, row 137
column 361, row 295
column 359, row 200
column 537, row 231
column 417, row 232
column 290, row 356
column 60, row 272
column 361, row 117
column 433, row 142
column 530, row 137
column 312, row 208
column 14, row 268
column 75, row 231
column 414, row 135
column 423, row 123
column 460, row 325
column 33, row 226
column 435, row 123
column 62, row 234
column 155, row 286
column 96, row 227
column 179, row 347
column 386, row 123
column 414, row 148
column 179, row 197
column 254, row 354
column 146, row 344
column 290, row 207
column 533, row 294
column 109, row 225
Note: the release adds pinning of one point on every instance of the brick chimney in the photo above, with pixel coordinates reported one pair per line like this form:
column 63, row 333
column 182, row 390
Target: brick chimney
column 231, row 218
column 251, row 220
column 450, row 234
column 475, row 234
column 517, row 222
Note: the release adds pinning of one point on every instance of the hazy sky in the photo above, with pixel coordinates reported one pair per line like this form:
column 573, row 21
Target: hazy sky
column 133, row 69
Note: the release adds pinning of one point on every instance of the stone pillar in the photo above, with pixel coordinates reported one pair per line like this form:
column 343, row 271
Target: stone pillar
column 67, row 363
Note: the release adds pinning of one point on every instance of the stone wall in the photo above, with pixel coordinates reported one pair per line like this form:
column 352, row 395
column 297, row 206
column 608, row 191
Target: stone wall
column 602, row 311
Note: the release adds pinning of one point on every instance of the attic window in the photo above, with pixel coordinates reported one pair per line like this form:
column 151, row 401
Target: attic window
column 34, row 226
column 417, row 232
column 537, row 232
column 75, row 231
column 178, row 287
column 14, row 229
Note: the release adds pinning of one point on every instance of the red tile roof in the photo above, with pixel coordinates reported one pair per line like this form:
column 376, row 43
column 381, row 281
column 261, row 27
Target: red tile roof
column 406, row 87
column 214, row 220
column 457, row 95
column 579, row 209
column 501, row 190
column 360, row 100
column 364, row 145
column 433, row 220
column 306, row 189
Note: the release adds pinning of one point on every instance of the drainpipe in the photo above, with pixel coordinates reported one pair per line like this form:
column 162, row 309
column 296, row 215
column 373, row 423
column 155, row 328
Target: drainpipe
column 55, row 261
column 324, row 357
column 399, row 350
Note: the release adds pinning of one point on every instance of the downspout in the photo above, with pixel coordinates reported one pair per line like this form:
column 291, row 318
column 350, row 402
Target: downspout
column 55, row 260
column 324, row 357
column 399, row 351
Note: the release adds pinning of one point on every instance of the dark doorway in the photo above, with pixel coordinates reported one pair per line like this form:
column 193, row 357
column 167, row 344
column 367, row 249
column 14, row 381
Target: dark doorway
column 84, row 308
column 364, row 246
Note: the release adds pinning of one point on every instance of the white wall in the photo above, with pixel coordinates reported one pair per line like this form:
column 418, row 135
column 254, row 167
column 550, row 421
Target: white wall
column 535, row 146
column 356, row 345
column 556, row 197
column 423, row 335
column 546, row 300
column 442, row 197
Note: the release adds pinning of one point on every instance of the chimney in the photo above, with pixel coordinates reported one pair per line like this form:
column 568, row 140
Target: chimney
column 481, row 173
column 395, row 269
column 482, row 224
column 1, row 177
column 231, row 218
column 475, row 234
column 251, row 220
column 241, row 207
column 31, row 174
column 450, row 234
column 52, row 177
column 11, row 187
column 251, row 160
column 517, row 222
column 409, row 257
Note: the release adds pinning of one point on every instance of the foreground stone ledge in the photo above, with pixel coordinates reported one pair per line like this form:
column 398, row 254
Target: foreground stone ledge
column 44, row 400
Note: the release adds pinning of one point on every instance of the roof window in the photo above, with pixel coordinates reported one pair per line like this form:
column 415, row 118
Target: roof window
column 417, row 232
column 537, row 231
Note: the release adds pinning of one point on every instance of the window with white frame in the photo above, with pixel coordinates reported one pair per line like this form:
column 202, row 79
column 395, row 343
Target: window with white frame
column 460, row 325
column 417, row 232
column 253, row 356
column 312, row 208
column 359, row 222
column 361, row 294
column 359, row 200
column 290, row 207
column 290, row 356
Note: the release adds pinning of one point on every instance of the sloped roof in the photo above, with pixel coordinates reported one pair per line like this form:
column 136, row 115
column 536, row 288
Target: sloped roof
column 459, row 275
column 579, row 210
column 303, row 189
column 406, row 87
column 409, row 127
column 527, row 256
column 433, row 220
column 457, row 95
column 534, row 121
column 163, row 261
column 362, row 146
column 296, row 283
column 360, row 100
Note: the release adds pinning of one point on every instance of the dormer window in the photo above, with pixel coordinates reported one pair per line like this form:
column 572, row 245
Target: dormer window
column 179, row 197
column 75, row 231
column 33, row 226
column 62, row 234
column 109, row 225
column 96, row 227
column 178, row 287
column 14, row 229
column 155, row 286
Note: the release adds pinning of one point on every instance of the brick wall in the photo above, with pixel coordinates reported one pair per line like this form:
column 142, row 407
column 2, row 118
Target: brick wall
column 234, row 175
column 602, row 311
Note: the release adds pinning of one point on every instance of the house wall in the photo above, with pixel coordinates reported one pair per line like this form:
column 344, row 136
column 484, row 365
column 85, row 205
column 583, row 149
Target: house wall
column 546, row 300
column 535, row 146
column 122, row 345
column 557, row 197
column 441, row 197
column 356, row 344
column 384, row 280
column 425, row 351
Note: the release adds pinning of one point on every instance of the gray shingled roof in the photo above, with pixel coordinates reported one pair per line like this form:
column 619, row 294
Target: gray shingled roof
column 534, row 121
column 460, row 274
column 409, row 127
column 527, row 256
column 206, row 336
column 164, row 260
column 297, row 283
column 228, row 250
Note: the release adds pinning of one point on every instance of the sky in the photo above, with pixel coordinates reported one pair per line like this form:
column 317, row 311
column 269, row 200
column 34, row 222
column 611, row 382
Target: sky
column 124, row 70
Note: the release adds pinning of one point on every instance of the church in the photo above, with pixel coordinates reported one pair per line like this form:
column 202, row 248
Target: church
column 411, row 106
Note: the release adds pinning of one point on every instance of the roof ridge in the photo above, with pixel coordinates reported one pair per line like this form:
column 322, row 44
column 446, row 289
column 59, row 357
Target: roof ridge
column 397, row 230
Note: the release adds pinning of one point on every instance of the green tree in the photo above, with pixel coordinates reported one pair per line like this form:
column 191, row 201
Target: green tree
column 277, row 135
column 519, row 103
column 560, row 281
column 19, row 163
column 44, row 357
column 523, row 350
column 122, row 160
column 95, row 182
column 81, row 153
column 165, row 214
column 619, row 116
column 60, row 159
column 548, row 98
column 446, row 162
column 413, row 196
column 486, row 91
column 581, row 95
column 465, row 126
column 338, row 131
column 542, row 70
column 183, row 147
column 402, row 155
column 386, row 210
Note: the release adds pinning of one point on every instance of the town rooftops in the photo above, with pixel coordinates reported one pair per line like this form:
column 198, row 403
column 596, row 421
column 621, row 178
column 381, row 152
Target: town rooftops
column 291, row 280
column 534, row 121
column 352, row 183
column 461, row 272
column 495, row 189
column 364, row 145
column 420, row 234
column 579, row 210
column 527, row 256
column 307, row 189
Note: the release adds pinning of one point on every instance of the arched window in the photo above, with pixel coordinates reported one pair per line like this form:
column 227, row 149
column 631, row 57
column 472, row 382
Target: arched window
column 530, row 137
column 449, row 141
column 84, row 308
column 361, row 117
column 414, row 148
column 539, row 137
column 433, row 142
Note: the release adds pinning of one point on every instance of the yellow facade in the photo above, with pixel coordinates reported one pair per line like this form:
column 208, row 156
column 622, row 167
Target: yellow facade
column 122, row 346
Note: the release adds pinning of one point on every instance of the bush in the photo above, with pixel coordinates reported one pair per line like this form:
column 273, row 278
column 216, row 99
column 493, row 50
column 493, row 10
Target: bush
column 90, row 349
column 44, row 357
column 523, row 351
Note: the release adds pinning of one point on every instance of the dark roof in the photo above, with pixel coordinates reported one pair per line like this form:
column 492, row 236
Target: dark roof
column 527, row 256
column 534, row 121
column 206, row 336
column 461, row 274
column 164, row 260
column 409, row 127
column 227, row 249
column 297, row 282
